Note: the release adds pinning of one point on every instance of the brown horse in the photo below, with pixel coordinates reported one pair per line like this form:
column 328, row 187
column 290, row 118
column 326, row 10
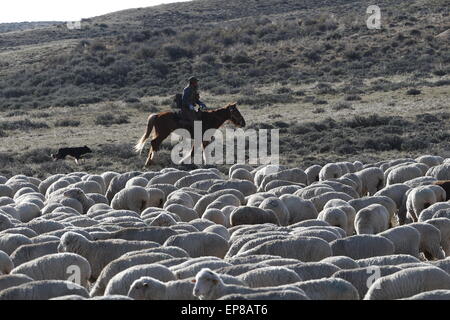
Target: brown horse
column 161, row 125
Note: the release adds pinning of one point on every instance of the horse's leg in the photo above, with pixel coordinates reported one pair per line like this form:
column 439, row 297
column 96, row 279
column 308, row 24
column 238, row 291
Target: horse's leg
column 189, row 155
column 149, row 160
column 204, row 145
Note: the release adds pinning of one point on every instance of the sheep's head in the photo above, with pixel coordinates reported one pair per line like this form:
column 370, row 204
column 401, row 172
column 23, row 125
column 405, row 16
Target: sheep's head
column 147, row 288
column 75, row 193
column 205, row 282
column 71, row 242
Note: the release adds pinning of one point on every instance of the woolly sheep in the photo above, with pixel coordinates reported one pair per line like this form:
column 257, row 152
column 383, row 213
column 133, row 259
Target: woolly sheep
column 137, row 199
column 334, row 217
column 269, row 277
column 390, row 260
column 443, row 224
column 216, row 216
column 101, row 252
column 136, row 181
column 409, row 282
column 429, row 212
column 179, row 197
column 372, row 219
column 362, row 246
column 200, row 244
column 192, row 269
column 209, row 286
column 372, row 180
column 294, row 175
column 201, row 224
column 220, row 230
column 43, row 290
column 314, row 270
column 326, row 235
column 121, row 282
column 33, row 251
column 244, row 186
column 431, row 295
column 406, row 239
column 329, row 289
column 430, row 240
column 148, row 288
column 6, row 265
column 10, row 242
column 298, row 208
column 122, row 263
column 241, row 174
column 302, row 248
column 430, row 160
column 312, row 173
column 56, row 267
column 362, row 278
column 13, row 280
column 440, row 172
column 402, row 174
column 341, row 262
column 204, row 201
column 252, row 215
column 118, row 182
column 330, row 171
column 168, row 177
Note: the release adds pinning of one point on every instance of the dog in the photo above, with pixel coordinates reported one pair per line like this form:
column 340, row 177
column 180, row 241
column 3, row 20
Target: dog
column 76, row 153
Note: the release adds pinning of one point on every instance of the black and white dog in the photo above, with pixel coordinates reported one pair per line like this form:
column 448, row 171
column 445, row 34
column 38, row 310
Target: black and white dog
column 76, row 153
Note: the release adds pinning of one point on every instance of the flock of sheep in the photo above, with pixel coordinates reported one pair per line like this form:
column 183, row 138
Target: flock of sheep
column 342, row 231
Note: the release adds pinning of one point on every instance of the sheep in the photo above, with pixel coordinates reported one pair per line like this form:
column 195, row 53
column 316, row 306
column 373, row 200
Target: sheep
column 406, row 239
column 247, row 242
column 320, row 200
column 43, row 290
column 13, row 280
column 168, row 177
column 391, row 260
column 294, row 175
column 444, row 184
column 200, row 244
column 162, row 220
column 330, row 171
column 204, row 201
column 299, row 209
column 432, row 210
column 326, row 235
column 362, row 246
column 440, row 172
column 431, row 295
column 314, row 270
column 10, row 242
column 372, row 180
column 136, row 181
column 220, row 230
column 236, row 166
column 123, row 263
column 32, row 251
column 201, row 224
column 269, row 277
column 27, row 232
column 261, row 172
column 342, row 187
column 6, row 265
column 349, row 211
column 256, row 199
column 6, row 191
column 362, row 278
column 180, row 198
column 430, row 160
column 137, row 199
column 59, row 266
column 372, row 219
column 305, row 249
column 186, row 214
column 118, row 182
column 252, row 215
column 443, row 224
column 341, row 262
column 430, row 240
column 209, row 286
column 216, row 216
column 312, row 173
column 241, row 174
column 223, row 201
column 192, row 269
column 148, row 288
column 409, row 282
column 121, row 282
column 329, row 289
column 334, row 217
column 396, row 192
column 99, row 253
column 402, row 174
column 246, row 187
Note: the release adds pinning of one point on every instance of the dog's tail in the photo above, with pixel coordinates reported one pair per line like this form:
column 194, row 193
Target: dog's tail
column 141, row 143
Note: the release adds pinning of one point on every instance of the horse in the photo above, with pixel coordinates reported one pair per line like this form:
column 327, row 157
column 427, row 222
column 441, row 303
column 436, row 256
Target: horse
column 161, row 125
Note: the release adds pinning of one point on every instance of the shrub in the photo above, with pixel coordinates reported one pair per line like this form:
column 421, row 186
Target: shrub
column 176, row 52
column 413, row 92
column 108, row 119
column 341, row 106
column 23, row 125
column 67, row 123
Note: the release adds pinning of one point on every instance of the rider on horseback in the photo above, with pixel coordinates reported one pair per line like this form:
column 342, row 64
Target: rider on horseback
column 189, row 100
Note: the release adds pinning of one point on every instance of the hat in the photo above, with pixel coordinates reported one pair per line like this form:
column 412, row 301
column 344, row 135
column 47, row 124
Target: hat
column 193, row 79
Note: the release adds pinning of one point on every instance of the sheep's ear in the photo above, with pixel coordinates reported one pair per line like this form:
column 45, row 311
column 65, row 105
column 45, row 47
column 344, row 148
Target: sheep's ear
column 215, row 281
column 193, row 281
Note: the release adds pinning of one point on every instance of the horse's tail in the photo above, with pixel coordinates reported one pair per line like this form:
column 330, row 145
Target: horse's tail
column 141, row 143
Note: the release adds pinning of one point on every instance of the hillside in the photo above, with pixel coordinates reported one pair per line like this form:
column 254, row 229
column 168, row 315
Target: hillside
column 334, row 88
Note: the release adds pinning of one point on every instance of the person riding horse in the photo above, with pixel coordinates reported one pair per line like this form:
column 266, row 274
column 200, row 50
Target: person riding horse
column 191, row 98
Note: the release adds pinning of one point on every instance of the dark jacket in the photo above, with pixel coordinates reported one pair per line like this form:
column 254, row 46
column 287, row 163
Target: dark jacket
column 190, row 97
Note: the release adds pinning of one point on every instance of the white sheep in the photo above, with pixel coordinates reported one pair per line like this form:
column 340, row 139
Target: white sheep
column 312, row 173
column 33, row 251
column 430, row 240
column 406, row 239
column 431, row 295
column 43, row 290
column 252, row 215
column 443, row 224
column 330, row 171
column 137, row 199
column 121, row 282
column 269, row 277
column 362, row 246
column 10, row 242
column 329, row 289
column 200, row 244
column 440, row 172
column 372, row 180
column 314, row 270
column 99, row 253
column 304, row 249
column 372, row 219
column 341, row 262
column 13, row 280
column 6, row 265
column 430, row 160
column 335, row 217
column 59, row 266
column 204, row 201
column 148, row 288
column 299, row 209
column 409, row 282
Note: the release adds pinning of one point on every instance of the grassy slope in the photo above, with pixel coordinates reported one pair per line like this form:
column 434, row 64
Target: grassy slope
column 282, row 74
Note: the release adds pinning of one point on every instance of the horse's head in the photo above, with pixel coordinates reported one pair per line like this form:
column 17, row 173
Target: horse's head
column 235, row 116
